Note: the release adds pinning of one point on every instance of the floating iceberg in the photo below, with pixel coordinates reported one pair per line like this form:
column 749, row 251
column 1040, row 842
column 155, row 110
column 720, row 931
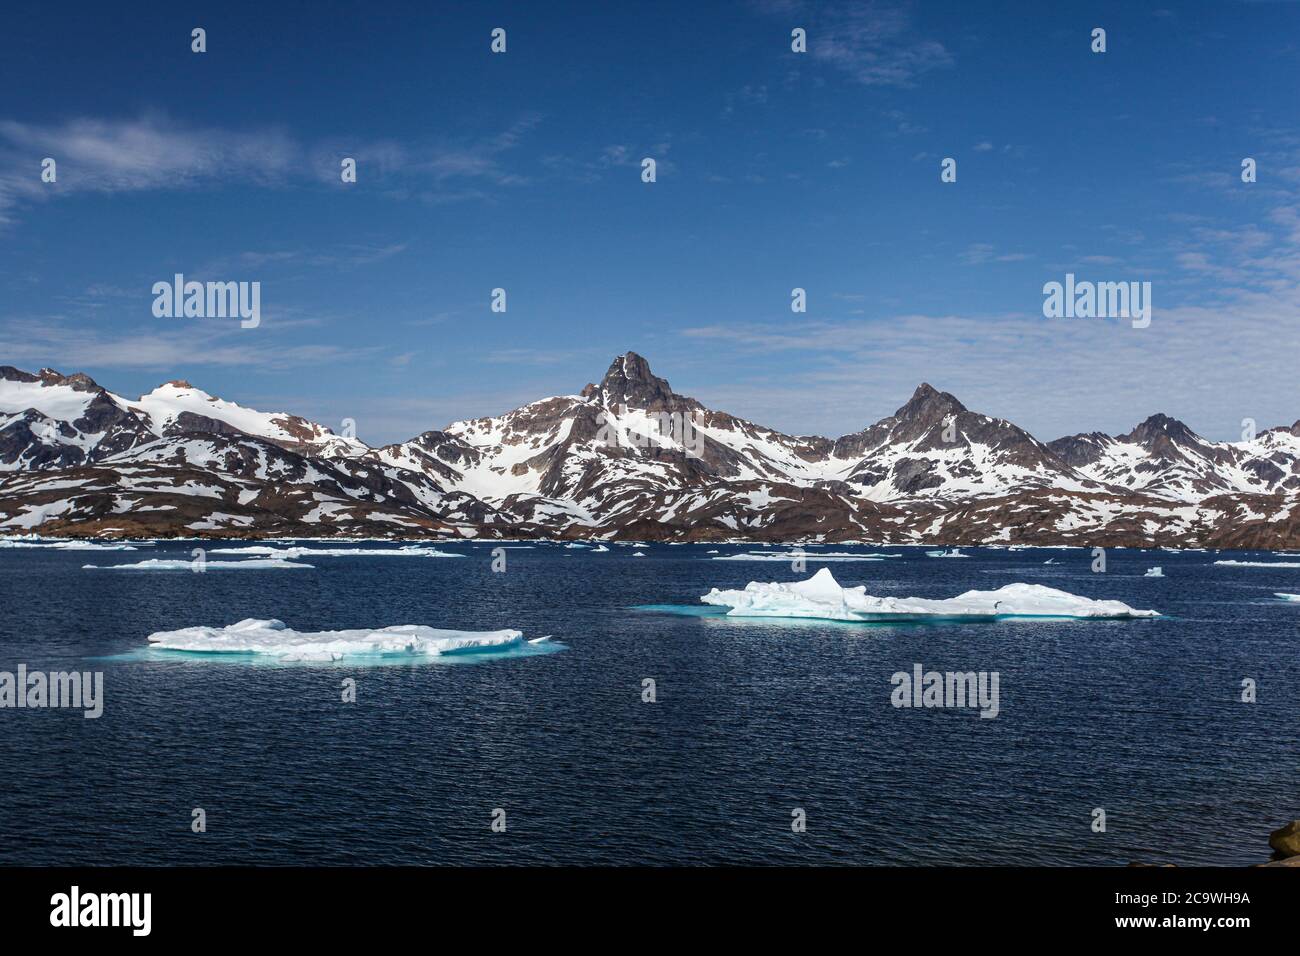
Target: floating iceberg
column 638, row 554
column 1286, row 597
column 599, row 548
column 822, row 597
column 291, row 554
column 160, row 564
column 953, row 553
column 788, row 556
column 272, row 638
column 1155, row 572
column 1260, row 564
column 68, row 545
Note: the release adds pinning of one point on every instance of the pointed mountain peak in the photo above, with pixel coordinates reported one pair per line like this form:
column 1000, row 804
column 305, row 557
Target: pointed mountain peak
column 1160, row 428
column 929, row 404
column 179, row 383
column 630, row 382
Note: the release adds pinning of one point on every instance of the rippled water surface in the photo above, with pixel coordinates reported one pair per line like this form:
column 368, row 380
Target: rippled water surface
column 753, row 718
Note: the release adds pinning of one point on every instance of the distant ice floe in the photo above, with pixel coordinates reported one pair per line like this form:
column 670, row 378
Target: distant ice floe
column 276, row 641
column 1260, row 564
column 822, row 597
column 160, row 564
column 1156, row 572
column 788, row 556
column 292, row 554
column 951, row 553
column 1286, row 597
column 638, row 554
column 66, row 545
column 599, row 548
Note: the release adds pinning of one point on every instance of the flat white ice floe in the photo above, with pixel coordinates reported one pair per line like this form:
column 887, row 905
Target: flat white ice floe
column 822, row 597
column 1260, row 564
column 291, row 554
column 814, row 556
column 162, row 564
column 273, row 638
column 952, row 553
column 1286, row 597
column 1156, row 572
column 68, row 545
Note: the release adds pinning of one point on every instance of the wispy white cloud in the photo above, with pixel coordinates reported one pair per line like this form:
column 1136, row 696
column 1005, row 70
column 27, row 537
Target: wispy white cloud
column 154, row 152
column 874, row 42
column 978, row 253
column 198, row 343
column 1215, row 352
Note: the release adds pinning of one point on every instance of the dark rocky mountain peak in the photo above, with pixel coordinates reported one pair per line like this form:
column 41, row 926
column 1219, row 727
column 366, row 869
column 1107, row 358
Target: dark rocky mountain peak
column 1159, row 430
column 929, row 405
column 48, row 376
column 630, row 382
column 10, row 374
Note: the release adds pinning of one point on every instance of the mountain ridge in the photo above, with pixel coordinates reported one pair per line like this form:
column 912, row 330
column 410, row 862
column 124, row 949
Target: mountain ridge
column 626, row 457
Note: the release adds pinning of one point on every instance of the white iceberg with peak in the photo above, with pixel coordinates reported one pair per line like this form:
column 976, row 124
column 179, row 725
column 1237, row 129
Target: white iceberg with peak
column 822, row 597
column 275, row 639
column 1156, row 572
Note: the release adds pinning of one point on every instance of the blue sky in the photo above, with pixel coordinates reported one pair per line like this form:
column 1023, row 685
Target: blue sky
column 775, row 170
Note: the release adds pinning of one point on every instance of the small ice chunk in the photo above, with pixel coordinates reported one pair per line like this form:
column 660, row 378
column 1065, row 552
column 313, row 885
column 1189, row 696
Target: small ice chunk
column 1155, row 572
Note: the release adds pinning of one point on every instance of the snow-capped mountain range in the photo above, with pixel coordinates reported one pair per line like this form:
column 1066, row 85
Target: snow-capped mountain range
column 626, row 458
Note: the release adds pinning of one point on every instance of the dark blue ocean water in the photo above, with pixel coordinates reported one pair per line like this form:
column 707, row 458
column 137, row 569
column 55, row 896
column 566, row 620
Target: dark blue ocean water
column 753, row 719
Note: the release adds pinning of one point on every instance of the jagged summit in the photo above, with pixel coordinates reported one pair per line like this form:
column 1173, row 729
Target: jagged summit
column 1161, row 428
column 48, row 376
column 630, row 382
column 928, row 404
